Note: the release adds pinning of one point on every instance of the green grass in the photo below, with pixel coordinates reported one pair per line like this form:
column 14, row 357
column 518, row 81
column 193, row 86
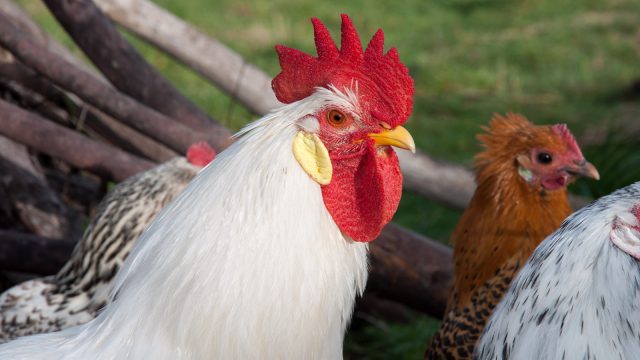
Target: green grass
column 553, row 60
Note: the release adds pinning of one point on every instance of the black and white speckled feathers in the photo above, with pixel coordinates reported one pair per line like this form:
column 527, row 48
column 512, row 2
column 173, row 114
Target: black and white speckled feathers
column 578, row 295
column 81, row 288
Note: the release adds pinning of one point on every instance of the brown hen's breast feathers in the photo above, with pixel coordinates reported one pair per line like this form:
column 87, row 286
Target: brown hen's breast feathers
column 490, row 235
column 505, row 221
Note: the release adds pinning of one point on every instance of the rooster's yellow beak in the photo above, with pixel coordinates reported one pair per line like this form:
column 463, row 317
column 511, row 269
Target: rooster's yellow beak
column 398, row 137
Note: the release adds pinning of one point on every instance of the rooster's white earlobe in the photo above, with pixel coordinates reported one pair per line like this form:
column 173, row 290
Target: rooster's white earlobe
column 313, row 156
column 626, row 237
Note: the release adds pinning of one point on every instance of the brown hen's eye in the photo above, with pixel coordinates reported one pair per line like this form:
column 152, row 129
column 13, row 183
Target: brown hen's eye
column 545, row 158
column 336, row 118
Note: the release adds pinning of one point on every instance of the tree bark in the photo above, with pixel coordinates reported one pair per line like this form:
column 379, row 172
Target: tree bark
column 33, row 254
column 34, row 205
column 119, row 135
column 411, row 269
column 86, row 117
column 22, row 21
column 127, row 70
column 103, row 97
column 210, row 58
column 68, row 145
column 19, row 155
column 445, row 183
column 28, row 200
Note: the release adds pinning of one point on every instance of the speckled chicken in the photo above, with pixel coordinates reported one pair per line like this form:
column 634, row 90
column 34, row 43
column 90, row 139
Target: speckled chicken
column 520, row 199
column 577, row 296
column 81, row 288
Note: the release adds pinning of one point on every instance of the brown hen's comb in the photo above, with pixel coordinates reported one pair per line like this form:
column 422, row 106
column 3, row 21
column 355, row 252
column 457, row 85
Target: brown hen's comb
column 572, row 144
column 383, row 82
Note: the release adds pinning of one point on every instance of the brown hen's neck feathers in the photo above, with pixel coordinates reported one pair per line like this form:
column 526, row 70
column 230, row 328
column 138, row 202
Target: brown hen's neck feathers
column 507, row 217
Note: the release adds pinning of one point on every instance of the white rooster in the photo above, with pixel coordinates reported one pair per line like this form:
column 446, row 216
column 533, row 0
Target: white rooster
column 578, row 295
column 263, row 253
column 80, row 289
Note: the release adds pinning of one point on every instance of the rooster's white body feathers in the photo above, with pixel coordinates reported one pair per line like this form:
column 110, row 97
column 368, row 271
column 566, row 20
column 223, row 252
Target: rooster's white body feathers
column 578, row 295
column 246, row 263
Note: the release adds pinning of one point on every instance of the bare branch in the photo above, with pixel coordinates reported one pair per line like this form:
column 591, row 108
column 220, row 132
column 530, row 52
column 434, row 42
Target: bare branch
column 448, row 184
column 65, row 144
column 411, row 269
column 103, row 97
column 210, row 58
column 22, row 21
column 126, row 69
column 33, row 204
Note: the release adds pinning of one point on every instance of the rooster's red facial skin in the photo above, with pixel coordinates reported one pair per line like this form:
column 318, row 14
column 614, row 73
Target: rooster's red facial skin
column 366, row 184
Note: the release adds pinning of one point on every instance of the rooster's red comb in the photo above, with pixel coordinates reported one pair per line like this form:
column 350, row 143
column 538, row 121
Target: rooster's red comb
column 383, row 82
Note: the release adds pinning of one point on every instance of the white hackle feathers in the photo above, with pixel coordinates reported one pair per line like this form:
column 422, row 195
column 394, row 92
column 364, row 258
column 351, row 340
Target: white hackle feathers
column 246, row 263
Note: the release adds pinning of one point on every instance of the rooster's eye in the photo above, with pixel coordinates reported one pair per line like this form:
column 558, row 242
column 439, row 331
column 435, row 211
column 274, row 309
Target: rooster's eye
column 544, row 158
column 336, row 118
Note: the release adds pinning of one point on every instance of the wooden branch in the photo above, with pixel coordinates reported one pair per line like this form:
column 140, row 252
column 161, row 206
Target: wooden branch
column 34, row 204
column 33, row 101
column 411, row 269
column 110, row 130
column 96, row 123
column 16, row 72
column 448, row 184
column 65, row 144
column 127, row 70
column 19, row 155
column 371, row 307
column 26, row 192
column 33, row 254
column 103, row 97
column 80, row 190
column 210, row 58
column 24, row 23
column 117, row 134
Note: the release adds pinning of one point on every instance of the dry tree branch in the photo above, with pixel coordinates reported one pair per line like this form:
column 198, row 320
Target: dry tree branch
column 410, row 269
column 68, row 145
column 210, row 58
column 53, row 103
column 96, row 93
column 29, row 199
column 127, row 70
column 23, row 21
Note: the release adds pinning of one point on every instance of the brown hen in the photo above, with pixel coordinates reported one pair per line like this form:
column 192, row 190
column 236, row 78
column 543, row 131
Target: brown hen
column 521, row 198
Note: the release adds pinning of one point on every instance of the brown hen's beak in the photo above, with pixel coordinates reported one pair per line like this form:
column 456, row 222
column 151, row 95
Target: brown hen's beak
column 584, row 168
column 398, row 137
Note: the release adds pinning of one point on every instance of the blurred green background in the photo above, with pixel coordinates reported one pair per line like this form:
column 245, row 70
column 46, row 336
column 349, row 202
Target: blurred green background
column 576, row 62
